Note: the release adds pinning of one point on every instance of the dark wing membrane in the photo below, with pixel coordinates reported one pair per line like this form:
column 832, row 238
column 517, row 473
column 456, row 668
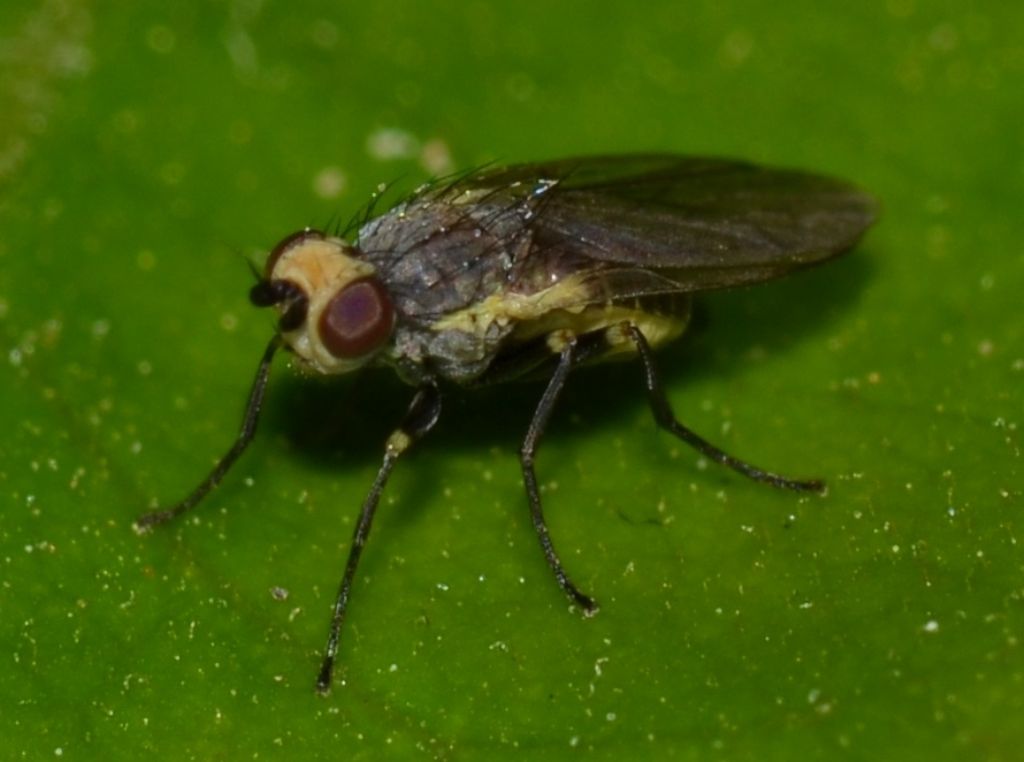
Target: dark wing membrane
column 701, row 223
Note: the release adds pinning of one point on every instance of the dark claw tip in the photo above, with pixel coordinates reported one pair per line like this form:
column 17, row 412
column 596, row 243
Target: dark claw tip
column 323, row 681
column 815, row 485
column 588, row 605
column 810, row 485
column 145, row 523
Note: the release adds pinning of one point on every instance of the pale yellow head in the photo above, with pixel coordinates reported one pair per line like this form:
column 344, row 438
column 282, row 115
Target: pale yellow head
column 335, row 312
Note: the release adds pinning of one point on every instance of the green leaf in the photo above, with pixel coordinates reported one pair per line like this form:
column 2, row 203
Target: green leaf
column 147, row 151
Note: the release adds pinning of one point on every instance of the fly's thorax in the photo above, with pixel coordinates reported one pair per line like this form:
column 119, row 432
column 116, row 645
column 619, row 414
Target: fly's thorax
column 336, row 314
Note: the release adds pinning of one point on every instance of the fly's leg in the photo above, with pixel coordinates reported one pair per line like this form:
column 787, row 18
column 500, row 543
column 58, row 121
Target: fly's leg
column 420, row 418
column 666, row 419
column 245, row 436
column 573, row 351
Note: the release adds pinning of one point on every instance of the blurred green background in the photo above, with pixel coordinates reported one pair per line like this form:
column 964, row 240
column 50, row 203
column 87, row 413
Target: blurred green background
column 147, row 150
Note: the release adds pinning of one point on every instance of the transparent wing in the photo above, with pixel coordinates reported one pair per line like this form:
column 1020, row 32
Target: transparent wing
column 700, row 222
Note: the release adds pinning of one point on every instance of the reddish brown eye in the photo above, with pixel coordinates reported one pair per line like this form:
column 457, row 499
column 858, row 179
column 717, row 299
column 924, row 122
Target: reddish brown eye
column 284, row 244
column 357, row 320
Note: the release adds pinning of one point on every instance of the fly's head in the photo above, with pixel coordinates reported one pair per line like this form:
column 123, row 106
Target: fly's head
column 335, row 312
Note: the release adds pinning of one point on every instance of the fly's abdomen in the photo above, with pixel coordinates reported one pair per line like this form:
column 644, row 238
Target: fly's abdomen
column 660, row 318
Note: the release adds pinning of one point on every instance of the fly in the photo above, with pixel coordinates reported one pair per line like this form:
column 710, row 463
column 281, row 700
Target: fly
column 535, row 270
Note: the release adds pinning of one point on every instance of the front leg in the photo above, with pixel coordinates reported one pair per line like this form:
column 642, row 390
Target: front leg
column 249, row 420
column 420, row 418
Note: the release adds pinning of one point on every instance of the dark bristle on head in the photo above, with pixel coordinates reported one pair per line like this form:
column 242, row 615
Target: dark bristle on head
column 257, row 275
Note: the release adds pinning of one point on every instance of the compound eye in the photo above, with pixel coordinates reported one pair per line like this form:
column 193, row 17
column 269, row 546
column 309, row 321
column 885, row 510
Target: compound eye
column 357, row 320
column 301, row 236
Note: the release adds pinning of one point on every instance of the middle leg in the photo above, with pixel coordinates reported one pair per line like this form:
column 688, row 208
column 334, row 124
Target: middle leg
column 573, row 351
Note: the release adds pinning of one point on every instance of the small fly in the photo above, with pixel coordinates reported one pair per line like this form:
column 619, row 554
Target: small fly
column 534, row 270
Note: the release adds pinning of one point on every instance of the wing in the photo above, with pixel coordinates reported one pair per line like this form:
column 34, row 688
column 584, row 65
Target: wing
column 689, row 223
